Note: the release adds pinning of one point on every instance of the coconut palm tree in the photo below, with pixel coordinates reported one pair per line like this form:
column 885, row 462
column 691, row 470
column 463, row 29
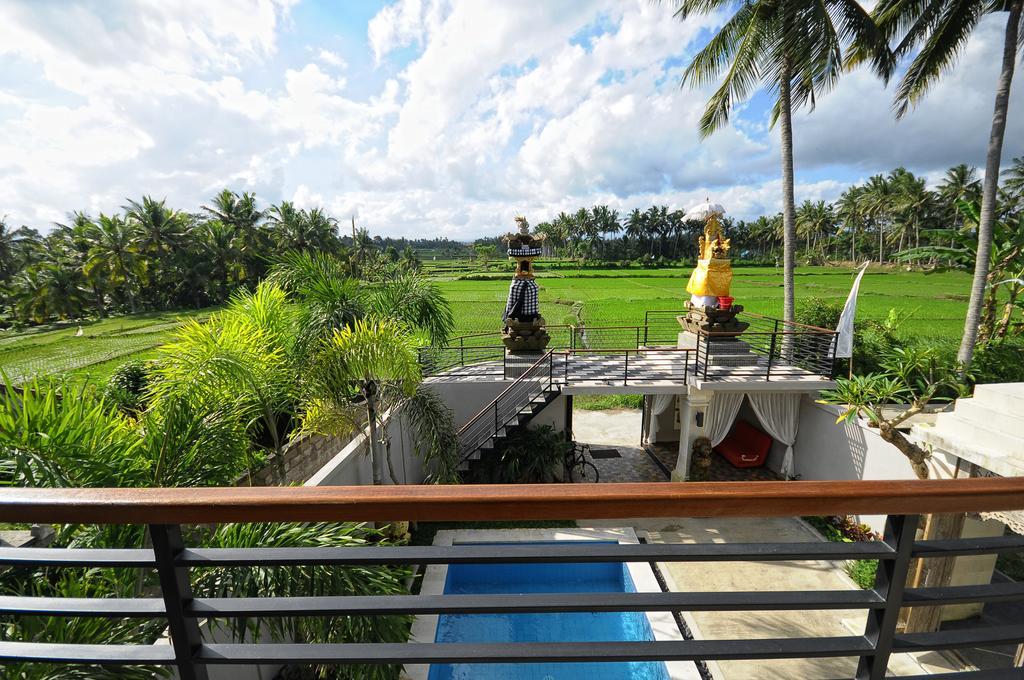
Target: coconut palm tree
column 792, row 49
column 814, row 220
column 244, row 218
column 111, row 251
column 850, row 211
column 938, row 30
column 879, row 201
column 1014, row 178
column 219, row 247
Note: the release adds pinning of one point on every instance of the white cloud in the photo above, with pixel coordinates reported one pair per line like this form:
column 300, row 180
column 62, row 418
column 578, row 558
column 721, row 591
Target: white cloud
column 469, row 112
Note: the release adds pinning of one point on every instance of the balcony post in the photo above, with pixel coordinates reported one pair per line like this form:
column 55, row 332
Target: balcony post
column 889, row 583
column 186, row 638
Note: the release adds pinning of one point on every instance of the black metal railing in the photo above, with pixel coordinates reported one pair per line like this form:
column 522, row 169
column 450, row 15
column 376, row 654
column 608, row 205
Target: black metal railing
column 773, row 349
column 191, row 651
column 535, row 381
column 776, row 349
column 613, row 367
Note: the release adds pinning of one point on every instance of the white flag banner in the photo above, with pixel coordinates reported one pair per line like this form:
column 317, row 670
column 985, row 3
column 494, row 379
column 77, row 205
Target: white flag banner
column 844, row 343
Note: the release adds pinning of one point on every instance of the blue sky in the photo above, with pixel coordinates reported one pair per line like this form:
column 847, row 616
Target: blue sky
column 427, row 117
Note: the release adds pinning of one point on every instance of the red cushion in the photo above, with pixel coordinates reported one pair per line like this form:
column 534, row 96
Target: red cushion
column 746, row 446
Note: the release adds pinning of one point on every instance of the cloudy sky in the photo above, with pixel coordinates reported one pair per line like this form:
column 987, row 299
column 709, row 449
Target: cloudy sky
column 426, row 117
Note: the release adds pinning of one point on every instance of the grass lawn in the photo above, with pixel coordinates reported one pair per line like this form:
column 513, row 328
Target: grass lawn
column 936, row 302
column 103, row 346
column 600, row 297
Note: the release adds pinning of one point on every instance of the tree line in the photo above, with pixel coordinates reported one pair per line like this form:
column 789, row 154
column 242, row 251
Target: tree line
column 882, row 219
column 151, row 256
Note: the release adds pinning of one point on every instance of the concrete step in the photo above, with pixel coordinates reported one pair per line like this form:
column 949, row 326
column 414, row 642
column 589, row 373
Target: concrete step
column 1003, row 419
column 982, row 437
column 1005, row 398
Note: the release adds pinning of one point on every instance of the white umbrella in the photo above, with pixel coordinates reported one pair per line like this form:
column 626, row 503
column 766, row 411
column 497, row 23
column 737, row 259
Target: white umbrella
column 704, row 211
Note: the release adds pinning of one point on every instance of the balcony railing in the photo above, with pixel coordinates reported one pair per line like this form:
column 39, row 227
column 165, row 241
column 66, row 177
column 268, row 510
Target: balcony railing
column 778, row 350
column 166, row 510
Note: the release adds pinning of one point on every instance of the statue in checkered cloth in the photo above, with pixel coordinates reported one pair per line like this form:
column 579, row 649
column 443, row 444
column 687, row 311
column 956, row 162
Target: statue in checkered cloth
column 524, row 326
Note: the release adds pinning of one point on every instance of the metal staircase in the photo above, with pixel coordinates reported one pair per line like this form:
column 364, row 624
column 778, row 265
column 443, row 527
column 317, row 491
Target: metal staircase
column 514, row 408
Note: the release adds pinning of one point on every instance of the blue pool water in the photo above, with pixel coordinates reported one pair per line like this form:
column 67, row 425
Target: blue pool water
column 559, row 627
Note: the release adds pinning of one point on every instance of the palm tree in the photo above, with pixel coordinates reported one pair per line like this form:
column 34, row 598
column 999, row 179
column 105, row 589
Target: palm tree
column 112, row 253
column 220, row 253
column 244, row 356
column 13, row 244
column 244, row 218
column 1014, row 182
column 53, row 289
column 938, row 30
column 368, row 359
column 814, row 220
column 636, row 225
column 159, row 229
column 916, row 205
column 176, row 443
column 879, row 200
column 792, row 49
column 850, row 211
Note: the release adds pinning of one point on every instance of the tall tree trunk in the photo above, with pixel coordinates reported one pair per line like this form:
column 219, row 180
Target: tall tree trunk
column 1004, row 323
column 788, row 201
column 370, row 393
column 988, row 191
column 932, row 572
column 881, row 243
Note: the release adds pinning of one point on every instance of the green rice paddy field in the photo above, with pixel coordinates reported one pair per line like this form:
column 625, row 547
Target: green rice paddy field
column 936, row 304
column 102, row 346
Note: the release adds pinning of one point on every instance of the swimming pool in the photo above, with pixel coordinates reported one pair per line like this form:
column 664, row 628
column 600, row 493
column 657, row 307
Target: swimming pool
column 546, row 627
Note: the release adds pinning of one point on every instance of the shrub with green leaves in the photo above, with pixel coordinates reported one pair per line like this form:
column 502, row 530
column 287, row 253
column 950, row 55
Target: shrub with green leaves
column 127, row 386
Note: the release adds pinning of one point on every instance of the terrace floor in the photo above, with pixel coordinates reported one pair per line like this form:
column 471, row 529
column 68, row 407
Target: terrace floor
column 648, row 372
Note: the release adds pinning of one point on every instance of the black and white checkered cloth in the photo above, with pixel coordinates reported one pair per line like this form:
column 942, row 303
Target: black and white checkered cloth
column 522, row 301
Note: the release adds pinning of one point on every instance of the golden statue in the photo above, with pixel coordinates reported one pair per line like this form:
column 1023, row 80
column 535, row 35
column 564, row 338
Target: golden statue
column 713, row 275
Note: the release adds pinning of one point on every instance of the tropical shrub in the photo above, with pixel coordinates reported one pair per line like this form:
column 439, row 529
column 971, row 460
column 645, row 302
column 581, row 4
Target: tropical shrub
column 817, row 312
column 528, row 456
column 127, row 386
column 51, row 436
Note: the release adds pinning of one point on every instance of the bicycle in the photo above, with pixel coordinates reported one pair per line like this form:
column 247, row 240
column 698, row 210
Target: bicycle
column 578, row 467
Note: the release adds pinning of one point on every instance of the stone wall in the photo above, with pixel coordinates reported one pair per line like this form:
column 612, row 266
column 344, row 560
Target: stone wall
column 302, row 459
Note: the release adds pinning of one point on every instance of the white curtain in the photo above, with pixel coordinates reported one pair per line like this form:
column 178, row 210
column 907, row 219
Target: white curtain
column 659, row 404
column 720, row 414
column 779, row 413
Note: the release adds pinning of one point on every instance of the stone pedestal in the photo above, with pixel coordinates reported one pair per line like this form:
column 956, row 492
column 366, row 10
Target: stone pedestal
column 712, row 320
column 518, row 363
column 718, row 351
column 525, row 336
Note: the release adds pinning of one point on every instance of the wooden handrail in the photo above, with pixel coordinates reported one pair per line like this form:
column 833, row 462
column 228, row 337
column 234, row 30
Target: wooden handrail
column 508, row 502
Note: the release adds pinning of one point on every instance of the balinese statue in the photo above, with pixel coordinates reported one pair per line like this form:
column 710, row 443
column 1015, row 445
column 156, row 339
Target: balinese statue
column 712, row 277
column 710, row 307
column 524, row 326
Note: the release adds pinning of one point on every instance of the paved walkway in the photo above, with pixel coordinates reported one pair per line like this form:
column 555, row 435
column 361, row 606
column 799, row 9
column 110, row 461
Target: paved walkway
column 762, row 576
column 618, row 431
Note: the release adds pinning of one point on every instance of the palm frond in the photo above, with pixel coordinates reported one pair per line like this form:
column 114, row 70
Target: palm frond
column 946, row 38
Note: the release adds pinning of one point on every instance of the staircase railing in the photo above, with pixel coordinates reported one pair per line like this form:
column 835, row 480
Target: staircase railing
column 534, row 382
